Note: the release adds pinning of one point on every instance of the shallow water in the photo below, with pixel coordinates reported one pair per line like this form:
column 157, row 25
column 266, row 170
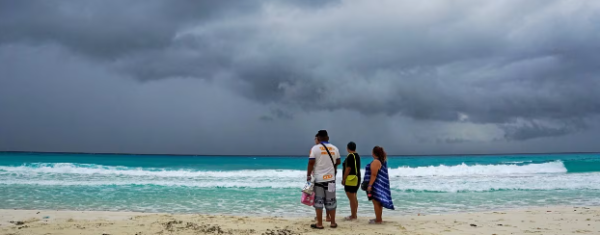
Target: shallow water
column 271, row 185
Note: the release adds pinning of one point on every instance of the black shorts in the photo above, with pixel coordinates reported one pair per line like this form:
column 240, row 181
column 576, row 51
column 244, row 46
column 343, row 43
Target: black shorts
column 351, row 189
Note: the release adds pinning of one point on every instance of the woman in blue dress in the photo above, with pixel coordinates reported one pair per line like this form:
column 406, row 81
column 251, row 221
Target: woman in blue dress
column 378, row 190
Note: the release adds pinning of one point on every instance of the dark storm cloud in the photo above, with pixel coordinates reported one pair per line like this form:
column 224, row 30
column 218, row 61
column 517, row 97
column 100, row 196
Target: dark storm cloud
column 488, row 61
column 52, row 100
column 113, row 28
column 528, row 67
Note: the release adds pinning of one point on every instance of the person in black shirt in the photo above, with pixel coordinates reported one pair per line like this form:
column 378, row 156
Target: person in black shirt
column 352, row 168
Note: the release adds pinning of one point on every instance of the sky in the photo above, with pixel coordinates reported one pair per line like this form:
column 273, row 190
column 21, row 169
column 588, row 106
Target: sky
column 261, row 77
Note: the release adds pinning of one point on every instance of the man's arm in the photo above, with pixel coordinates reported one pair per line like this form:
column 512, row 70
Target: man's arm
column 338, row 157
column 337, row 162
column 311, row 167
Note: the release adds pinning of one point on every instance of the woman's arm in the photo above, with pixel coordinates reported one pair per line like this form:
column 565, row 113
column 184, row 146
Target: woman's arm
column 346, row 169
column 375, row 165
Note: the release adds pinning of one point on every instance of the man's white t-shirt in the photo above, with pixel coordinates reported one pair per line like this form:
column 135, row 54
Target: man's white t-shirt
column 324, row 170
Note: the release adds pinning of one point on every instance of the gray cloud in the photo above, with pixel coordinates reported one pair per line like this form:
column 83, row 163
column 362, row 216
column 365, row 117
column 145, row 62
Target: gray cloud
column 528, row 69
column 276, row 114
column 113, row 29
column 494, row 72
column 535, row 129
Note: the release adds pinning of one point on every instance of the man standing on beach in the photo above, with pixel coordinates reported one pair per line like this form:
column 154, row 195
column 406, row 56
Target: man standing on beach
column 322, row 165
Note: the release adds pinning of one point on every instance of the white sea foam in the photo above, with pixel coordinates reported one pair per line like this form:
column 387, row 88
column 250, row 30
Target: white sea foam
column 441, row 170
column 459, row 178
column 463, row 170
column 429, row 184
column 517, row 162
column 130, row 182
column 92, row 169
column 499, row 183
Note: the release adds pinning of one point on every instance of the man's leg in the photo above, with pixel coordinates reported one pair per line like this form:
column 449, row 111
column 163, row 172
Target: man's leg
column 332, row 213
column 319, row 217
column 327, row 217
column 319, row 204
column 331, row 206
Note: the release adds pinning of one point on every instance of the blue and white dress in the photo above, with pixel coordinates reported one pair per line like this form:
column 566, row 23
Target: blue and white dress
column 381, row 187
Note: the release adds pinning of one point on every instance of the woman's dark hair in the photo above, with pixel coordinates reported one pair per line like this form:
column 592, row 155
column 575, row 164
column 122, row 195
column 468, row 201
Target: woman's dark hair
column 380, row 153
column 351, row 146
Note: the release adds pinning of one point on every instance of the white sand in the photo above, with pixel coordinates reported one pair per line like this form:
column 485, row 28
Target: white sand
column 551, row 220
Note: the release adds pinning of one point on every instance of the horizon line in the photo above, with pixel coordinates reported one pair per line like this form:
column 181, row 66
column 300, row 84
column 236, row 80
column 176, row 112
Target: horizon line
column 292, row 155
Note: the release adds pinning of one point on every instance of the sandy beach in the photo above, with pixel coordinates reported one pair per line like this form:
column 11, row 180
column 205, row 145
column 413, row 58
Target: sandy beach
column 550, row 220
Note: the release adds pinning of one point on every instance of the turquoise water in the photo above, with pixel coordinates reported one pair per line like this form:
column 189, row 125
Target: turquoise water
column 271, row 185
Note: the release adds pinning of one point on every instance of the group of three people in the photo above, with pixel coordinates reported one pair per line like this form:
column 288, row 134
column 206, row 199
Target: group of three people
column 324, row 158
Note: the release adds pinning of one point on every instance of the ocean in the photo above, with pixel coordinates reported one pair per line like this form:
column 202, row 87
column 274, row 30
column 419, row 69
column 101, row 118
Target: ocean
column 254, row 185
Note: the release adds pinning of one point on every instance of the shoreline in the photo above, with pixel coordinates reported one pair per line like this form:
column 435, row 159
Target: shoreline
column 538, row 220
column 392, row 214
column 290, row 155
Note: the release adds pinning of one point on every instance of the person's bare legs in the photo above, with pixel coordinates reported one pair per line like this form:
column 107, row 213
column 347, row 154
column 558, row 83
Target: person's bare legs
column 327, row 217
column 378, row 211
column 319, row 217
column 332, row 218
column 355, row 209
column 353, row 205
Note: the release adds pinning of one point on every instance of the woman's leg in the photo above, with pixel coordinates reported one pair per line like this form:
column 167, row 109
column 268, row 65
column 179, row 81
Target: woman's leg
column 378, row 211
column 353, row 204
column 354, row 207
